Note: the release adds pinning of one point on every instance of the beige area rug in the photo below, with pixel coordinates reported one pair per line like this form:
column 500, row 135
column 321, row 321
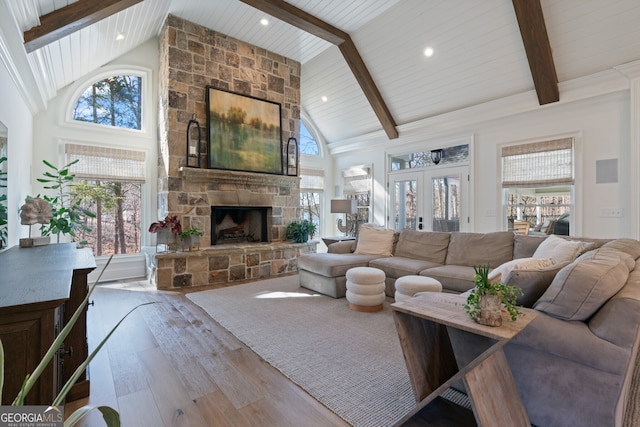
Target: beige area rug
column 350, row 361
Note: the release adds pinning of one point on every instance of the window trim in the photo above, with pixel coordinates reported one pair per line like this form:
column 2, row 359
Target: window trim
column 146, row 106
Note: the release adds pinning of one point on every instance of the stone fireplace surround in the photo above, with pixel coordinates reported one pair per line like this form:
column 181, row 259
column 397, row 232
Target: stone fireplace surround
column 193, row 57
column 193, row 194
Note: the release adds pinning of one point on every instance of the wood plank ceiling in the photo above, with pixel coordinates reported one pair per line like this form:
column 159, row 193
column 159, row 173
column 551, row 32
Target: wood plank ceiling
column 363, row 55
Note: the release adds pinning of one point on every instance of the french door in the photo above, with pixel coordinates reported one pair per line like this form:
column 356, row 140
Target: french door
column 430, row 200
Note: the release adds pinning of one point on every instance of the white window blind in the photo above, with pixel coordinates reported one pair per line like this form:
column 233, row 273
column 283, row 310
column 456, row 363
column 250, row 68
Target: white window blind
column 312, row 179
column 538, row 164
column 107, row 164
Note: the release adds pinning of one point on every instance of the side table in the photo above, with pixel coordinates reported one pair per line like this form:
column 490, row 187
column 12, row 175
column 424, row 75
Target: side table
column 423, row 324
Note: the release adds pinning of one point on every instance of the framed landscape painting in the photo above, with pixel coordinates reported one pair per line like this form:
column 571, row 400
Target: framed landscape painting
column 244, row 132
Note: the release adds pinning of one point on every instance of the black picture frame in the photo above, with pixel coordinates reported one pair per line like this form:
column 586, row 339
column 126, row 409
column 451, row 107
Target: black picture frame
column 244, row 132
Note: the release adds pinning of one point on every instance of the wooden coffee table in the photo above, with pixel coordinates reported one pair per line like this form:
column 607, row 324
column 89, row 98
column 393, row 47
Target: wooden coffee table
column 423, row 323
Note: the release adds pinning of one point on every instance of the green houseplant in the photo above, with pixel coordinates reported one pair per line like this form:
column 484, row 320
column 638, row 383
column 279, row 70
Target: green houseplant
column 68, row 214
column 484, row 303
column 191, row 238
column 300, row 231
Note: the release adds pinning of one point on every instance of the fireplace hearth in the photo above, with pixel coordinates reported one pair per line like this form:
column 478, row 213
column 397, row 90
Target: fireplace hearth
column 240, row 224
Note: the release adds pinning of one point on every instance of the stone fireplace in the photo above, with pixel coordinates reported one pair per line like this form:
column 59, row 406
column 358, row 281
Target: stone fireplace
column 193, row 57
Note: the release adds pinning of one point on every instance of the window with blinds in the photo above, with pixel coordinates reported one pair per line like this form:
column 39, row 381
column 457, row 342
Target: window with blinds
column 538, row 179
column 311, row 196
column 104, row 163
column 357, row 184
column 538, row 164
column 109, row 181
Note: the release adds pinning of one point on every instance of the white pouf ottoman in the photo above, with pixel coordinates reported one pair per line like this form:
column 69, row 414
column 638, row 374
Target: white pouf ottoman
column 365, row 288
column 408, row 286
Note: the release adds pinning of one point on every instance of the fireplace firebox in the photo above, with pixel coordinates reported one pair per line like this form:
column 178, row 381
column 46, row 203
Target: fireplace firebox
column 240, row 224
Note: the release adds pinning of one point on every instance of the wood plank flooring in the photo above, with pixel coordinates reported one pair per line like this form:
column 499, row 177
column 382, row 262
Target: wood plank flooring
column 169, row 364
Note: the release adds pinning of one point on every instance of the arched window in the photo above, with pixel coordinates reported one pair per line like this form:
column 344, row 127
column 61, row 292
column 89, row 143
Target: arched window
column 115, row 101
column 308, row 144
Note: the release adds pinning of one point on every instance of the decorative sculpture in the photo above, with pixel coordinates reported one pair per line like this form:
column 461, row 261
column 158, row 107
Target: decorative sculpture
column 35, row 211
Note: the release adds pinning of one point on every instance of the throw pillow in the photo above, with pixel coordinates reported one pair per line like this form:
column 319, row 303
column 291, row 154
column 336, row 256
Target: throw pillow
column 375, row 241
column 582, row 287
column 500, row 273
column 560, row 250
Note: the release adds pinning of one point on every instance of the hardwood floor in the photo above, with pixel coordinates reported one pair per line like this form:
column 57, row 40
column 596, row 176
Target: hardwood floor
column 170, row 364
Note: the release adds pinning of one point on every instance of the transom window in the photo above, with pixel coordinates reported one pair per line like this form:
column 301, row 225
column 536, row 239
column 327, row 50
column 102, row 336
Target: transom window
column 115, row 101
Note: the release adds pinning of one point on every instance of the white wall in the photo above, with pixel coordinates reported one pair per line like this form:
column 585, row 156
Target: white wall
column 17, row 117
column 52, row 129
column 599, row 120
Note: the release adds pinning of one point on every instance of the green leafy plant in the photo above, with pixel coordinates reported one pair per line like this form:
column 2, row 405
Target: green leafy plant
column 110, row 415
column 507, row 294
column 300, row 231
column 68, row 214
column 191, row 232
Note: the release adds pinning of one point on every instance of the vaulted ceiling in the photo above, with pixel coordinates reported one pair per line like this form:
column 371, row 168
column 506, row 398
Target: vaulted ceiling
column 483, row 50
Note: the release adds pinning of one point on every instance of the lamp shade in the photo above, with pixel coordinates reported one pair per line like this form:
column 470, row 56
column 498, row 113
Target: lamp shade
column 344, row 206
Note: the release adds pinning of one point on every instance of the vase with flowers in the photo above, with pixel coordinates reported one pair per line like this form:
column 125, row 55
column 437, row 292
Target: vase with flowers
column 168, row 231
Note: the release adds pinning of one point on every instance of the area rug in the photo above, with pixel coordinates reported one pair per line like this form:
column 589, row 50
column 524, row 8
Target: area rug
column 349, row 361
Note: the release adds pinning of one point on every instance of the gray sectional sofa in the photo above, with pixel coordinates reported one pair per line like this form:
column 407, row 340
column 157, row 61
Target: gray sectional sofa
column 573, row 365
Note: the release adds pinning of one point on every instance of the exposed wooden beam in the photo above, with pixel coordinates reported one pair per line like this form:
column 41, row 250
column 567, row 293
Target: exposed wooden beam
column 300, row 19
column 536, row 44
column 76, row 16
column 309, row 23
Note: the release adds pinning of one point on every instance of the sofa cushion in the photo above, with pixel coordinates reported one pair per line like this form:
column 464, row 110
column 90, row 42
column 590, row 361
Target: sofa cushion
column 560, row 250
column 375, row 241
column 532, row 282
column 428, row 246
column 398, row 266
column 524, row 246
column 582, row 287
column 454, row 278
column 501, row 272
column 332, row 265
column 629, row 246
column 473, row 249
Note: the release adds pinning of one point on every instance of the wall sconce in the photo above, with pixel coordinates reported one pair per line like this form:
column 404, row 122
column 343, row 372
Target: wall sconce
column 347, row 207
column 193, row 143
column 436, row 155
column 291, row 167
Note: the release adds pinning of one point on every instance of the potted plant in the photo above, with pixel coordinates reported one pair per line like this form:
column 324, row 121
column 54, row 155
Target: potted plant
column 486, row 299
column 168, row 230
column 191, row 238
column 68, row 215
column 300, row 231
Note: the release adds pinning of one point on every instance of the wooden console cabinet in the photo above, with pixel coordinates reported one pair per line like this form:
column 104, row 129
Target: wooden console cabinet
column 40, row 289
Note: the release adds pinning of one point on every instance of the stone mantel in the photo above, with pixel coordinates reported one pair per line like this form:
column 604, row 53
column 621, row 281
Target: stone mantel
column 237, row 177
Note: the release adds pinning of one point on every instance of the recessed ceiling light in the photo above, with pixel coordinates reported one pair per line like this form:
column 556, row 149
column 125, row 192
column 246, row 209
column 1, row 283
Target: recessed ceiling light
column 428, row 52
column 120, row 36
column 324, row 99
column 264, row 21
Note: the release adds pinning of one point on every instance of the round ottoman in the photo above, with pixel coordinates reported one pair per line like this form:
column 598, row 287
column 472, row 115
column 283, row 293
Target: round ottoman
column 365, row 288
column 408, row 286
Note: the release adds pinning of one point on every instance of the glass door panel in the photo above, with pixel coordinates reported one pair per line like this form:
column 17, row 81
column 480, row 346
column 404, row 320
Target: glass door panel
column 447, row 208
column 404, row 198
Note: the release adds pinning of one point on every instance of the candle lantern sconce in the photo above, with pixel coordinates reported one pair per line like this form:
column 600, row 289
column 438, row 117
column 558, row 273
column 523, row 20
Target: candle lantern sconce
column 193, row 143
column 291, row 157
